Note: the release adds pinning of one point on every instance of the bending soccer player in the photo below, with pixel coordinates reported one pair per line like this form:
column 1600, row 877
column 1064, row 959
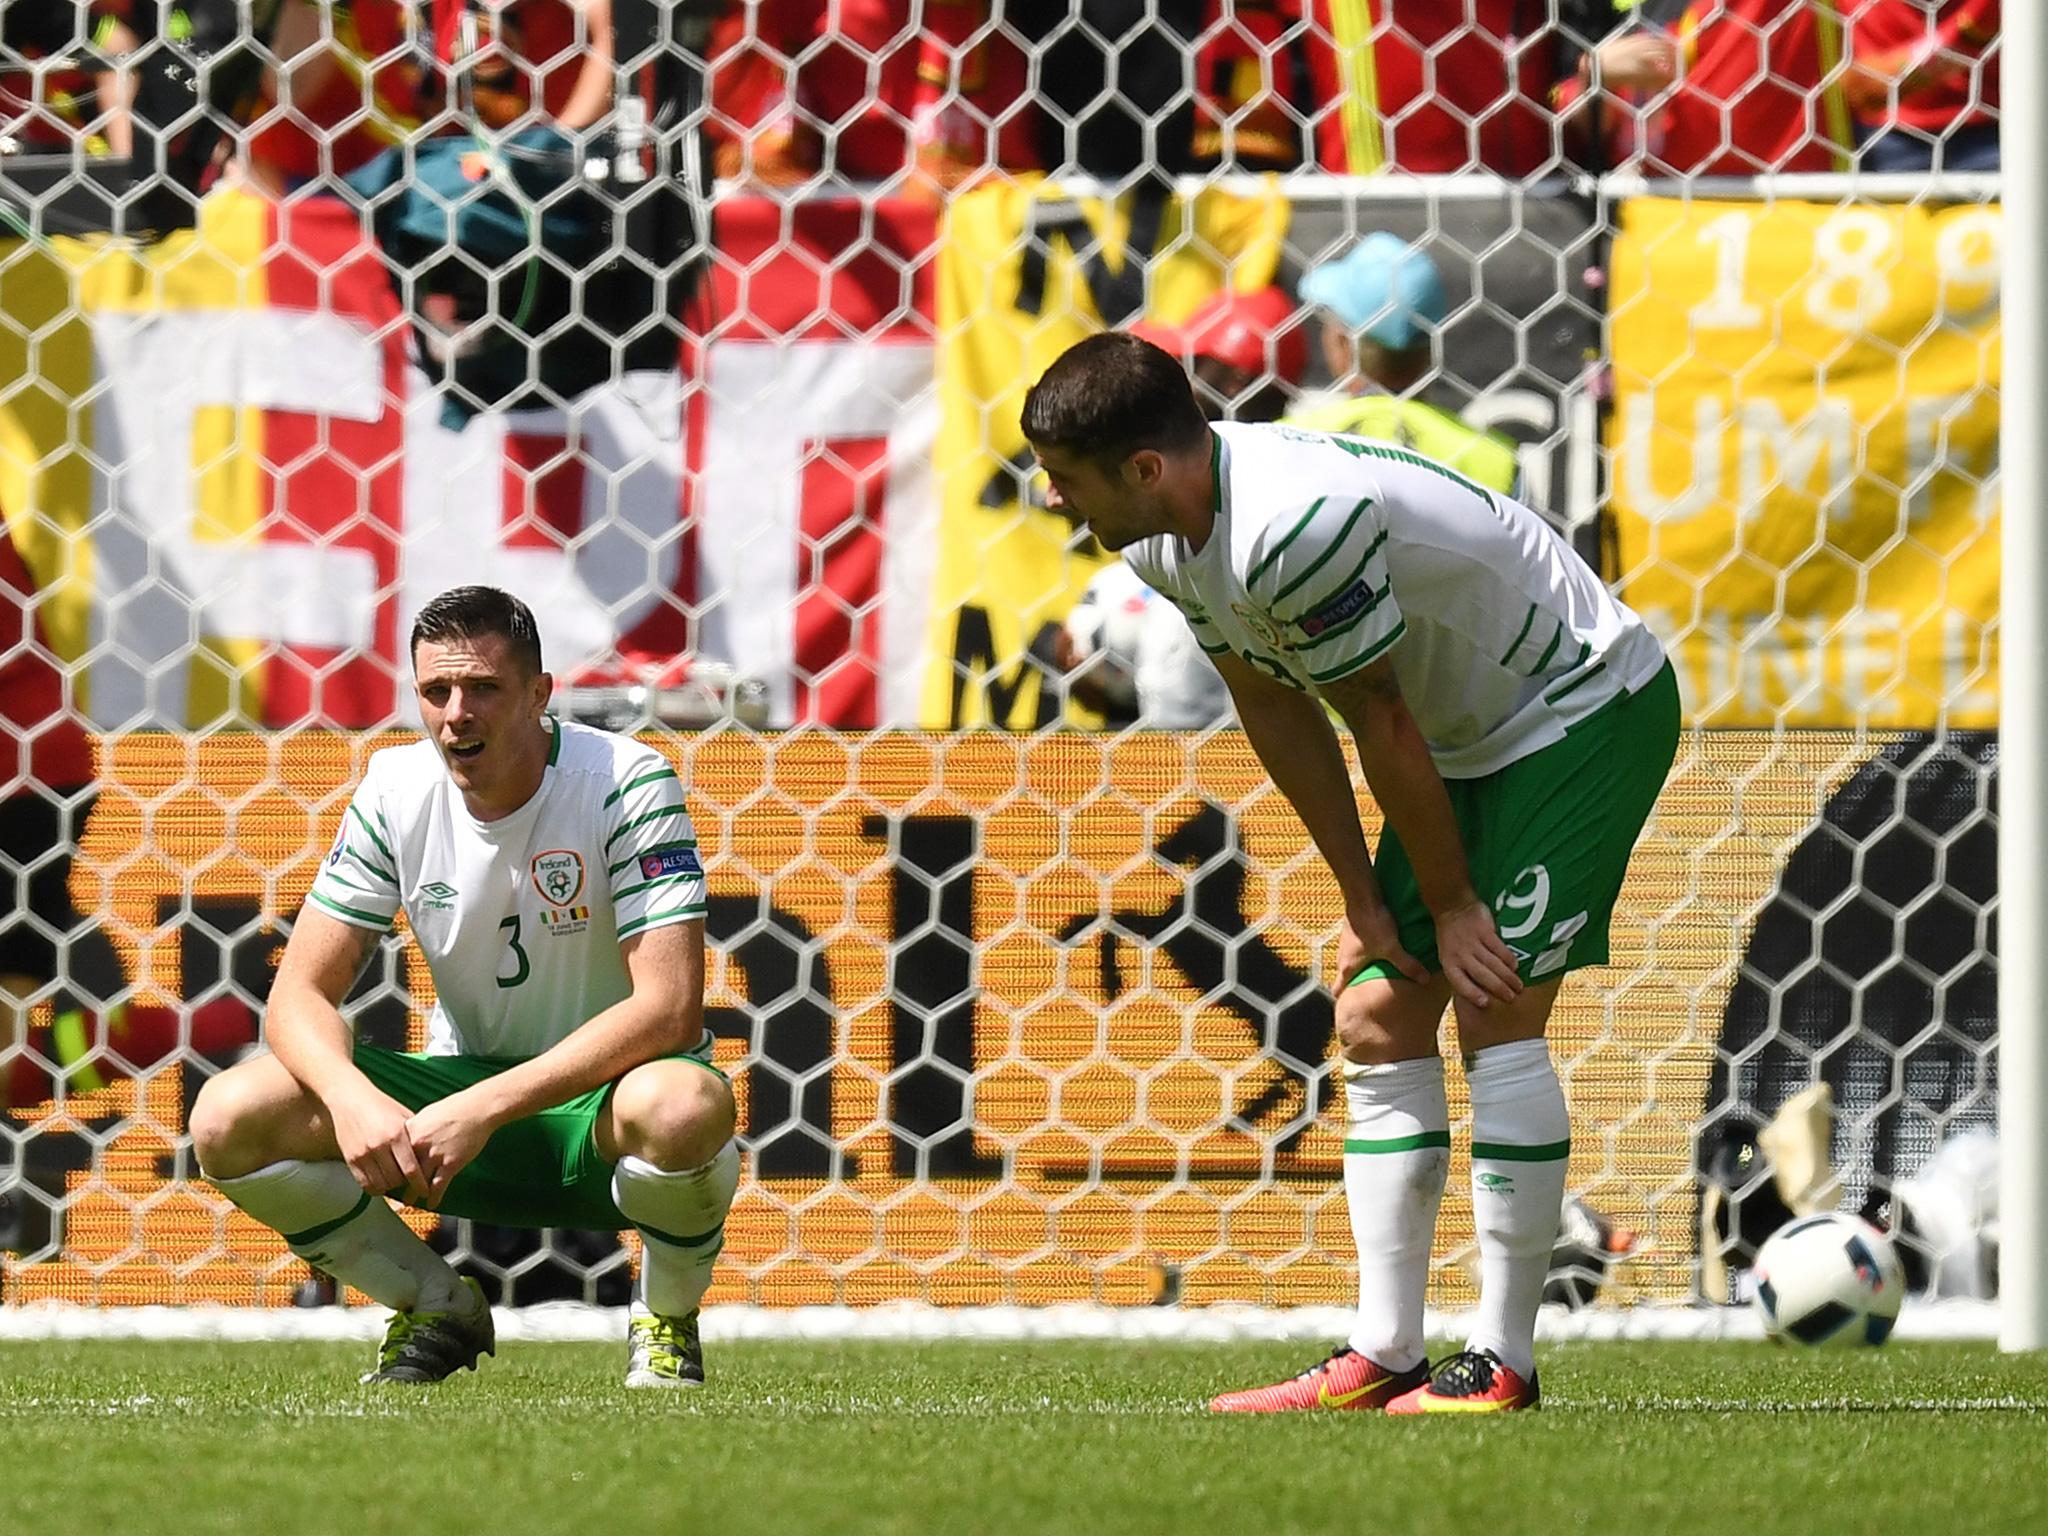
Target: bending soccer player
column 551, row 878
column 1515, row 724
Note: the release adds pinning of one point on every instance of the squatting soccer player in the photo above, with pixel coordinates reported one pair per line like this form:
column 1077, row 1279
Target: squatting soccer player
column 550, row 877
column 1515, row 724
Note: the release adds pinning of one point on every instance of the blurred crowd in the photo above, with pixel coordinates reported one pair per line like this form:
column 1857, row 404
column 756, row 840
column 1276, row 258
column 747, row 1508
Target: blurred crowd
column 928, row 96
column 922, row 99
column 951, row 90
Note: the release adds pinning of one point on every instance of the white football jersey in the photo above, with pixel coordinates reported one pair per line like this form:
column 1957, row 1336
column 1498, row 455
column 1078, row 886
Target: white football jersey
column 1178, row 687
column 520, row 919
column 1330, row 551
column 1953, row 1200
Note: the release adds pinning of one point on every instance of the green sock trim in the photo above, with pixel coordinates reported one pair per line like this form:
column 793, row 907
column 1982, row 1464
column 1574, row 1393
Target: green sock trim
column 679, row 1242
column 1413, row 1143
column 314, row 1234
column 1509, row 1152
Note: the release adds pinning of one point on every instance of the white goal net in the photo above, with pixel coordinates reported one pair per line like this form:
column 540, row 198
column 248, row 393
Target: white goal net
column 1025, row 1006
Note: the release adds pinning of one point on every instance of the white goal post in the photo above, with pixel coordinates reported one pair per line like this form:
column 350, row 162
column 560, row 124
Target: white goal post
column 2023, row 829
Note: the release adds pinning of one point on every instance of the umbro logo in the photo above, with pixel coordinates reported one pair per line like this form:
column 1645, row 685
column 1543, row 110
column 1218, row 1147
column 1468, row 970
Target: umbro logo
column 439, row 896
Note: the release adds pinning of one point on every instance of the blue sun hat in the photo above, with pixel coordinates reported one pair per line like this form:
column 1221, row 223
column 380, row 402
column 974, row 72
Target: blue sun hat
column 1384, row 288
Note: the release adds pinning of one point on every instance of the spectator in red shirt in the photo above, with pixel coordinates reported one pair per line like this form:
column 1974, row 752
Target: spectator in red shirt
column 528, row 62
column 970, row 113
column 1710, row 87
column 347, row 88
column 1924, row 84
column 1350, row 85
column 799, row 90
column 1433, row 86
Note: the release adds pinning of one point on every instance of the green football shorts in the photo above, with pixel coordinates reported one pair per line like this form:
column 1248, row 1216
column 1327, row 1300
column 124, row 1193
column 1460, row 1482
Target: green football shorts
column 542, row 1171
column 1548, row 838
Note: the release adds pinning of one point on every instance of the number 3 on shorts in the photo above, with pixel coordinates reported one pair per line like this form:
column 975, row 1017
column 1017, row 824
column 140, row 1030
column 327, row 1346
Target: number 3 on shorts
column 518, row 955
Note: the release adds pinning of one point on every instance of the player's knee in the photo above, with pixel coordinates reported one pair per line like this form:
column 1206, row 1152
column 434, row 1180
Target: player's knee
column 1371, row 1031
column 224, row 1127
column 673, row 1114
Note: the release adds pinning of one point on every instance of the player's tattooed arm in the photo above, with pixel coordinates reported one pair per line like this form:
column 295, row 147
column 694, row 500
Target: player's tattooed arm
column 1372, row 688
column 1298, row 746
column 1404, row 780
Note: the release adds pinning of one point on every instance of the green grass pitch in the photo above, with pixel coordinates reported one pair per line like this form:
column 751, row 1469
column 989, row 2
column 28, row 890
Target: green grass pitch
column 1065, row 1439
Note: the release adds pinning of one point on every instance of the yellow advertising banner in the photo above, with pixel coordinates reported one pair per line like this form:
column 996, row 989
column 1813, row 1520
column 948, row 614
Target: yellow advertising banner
column 1025, row 271
column 1805, row 449
column 1011, row 1020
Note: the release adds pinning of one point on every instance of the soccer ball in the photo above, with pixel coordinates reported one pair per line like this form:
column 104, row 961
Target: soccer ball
column 1829, row 1279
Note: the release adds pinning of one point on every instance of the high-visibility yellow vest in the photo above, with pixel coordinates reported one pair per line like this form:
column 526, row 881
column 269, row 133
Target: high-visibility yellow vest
column 1426, row 429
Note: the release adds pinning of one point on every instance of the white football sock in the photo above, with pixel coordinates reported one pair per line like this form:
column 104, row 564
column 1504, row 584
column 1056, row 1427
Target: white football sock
column 1521, row 1143
column 1397, row 1150
column 681, row 1217
column 333, row 1222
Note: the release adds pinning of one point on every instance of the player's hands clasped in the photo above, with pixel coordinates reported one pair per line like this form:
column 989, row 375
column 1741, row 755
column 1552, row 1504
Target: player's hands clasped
column 1370, row 933
column 1477, row 962
column 370, row 1129
column 446, row 1135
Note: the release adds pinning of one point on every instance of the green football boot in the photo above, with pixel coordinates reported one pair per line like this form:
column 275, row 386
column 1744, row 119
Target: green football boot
column 663, row 1351
column 432, row 1346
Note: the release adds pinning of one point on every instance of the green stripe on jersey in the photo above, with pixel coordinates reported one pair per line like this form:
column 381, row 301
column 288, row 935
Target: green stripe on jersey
column 1335, row 544
column 1266, row 563
column 363, row 821
column 653, row 776
column 1360, row 448
column 348, row 912
column 1358, row 573
column 1528, row 622
column 1345, row 669
column 662, row 814
column 675, row 914
column 648, row 885
column 1549, row 650
column 1576, row 683
column 336, row 877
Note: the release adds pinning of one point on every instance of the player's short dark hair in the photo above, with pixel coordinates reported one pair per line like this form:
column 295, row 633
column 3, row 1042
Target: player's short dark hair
column 1109, row 396
column 470, row 613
